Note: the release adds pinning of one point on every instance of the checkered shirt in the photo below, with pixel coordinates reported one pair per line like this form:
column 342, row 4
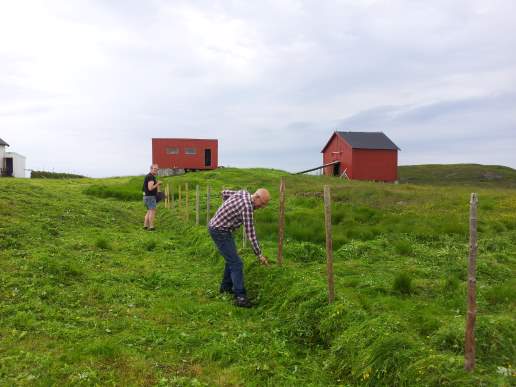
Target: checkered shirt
column 236, row 209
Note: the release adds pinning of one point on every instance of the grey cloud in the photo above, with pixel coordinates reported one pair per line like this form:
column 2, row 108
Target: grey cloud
column 404, row 115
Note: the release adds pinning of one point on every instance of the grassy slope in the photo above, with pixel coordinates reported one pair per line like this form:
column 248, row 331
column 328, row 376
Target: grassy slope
column 459, row 174
column 87, row 297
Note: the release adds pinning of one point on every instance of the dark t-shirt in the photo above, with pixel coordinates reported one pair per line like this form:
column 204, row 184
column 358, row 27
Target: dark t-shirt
column 149, row 177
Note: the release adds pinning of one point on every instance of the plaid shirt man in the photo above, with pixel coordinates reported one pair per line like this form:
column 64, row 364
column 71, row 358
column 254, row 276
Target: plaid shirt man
column 236, row 209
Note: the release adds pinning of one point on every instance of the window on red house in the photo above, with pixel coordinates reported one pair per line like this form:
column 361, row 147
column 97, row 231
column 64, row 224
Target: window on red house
column 190, row 151
column 172, row 151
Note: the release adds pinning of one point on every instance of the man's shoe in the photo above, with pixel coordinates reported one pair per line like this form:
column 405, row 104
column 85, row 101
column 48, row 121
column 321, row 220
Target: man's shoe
column 243, row 302
column 145, row 228
column 151, row 229
column 225, row 290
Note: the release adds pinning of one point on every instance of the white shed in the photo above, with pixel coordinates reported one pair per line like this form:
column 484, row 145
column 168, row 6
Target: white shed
column 11, row 164
column 3, row 144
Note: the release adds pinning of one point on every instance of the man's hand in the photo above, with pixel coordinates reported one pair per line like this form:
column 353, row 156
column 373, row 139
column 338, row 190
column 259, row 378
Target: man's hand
column 263, row 260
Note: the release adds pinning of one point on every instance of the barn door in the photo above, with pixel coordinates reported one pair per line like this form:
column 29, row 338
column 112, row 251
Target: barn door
column 207, row 157
column 9, row 166
column 336, row 169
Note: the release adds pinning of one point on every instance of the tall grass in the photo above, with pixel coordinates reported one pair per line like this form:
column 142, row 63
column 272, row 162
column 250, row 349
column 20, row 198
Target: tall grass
column 88, row 297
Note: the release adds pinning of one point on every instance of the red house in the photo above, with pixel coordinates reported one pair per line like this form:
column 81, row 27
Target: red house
column 185, row 153
column 362, row 156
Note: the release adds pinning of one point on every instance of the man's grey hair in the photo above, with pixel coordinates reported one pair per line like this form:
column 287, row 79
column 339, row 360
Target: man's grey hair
column 153, row 165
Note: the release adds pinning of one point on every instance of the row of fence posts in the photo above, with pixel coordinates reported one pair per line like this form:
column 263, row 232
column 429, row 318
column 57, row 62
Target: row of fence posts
column 169, row 204
column 469, row 347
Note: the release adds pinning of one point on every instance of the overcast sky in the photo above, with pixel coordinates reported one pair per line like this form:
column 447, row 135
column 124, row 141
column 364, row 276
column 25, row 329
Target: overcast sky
column 85, row 85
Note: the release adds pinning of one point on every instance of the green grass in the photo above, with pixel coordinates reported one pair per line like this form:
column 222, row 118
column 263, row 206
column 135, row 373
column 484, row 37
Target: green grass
column 89, row 298
column 458, row 174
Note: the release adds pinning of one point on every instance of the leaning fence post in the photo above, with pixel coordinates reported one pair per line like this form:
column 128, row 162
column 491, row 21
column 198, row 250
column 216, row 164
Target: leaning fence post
column 329, row 243
column 281, row 226
column 469, row 345
column 197, row 205
column 208, row 199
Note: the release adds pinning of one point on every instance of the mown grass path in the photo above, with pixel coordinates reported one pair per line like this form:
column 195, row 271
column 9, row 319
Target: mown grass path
column 88, row 297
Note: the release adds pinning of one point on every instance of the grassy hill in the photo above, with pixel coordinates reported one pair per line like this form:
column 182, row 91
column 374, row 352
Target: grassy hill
column 87, row 297
column 458, row 174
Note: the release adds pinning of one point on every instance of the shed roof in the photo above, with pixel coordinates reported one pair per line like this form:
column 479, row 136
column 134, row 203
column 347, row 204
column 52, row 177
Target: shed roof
column 2, row 142
column 365, row 140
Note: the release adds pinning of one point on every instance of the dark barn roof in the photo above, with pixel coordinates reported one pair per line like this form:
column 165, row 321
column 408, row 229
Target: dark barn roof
column 365, row 140
column 2, row 142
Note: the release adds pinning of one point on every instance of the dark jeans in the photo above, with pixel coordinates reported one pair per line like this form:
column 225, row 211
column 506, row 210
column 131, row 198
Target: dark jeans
column 233, row 270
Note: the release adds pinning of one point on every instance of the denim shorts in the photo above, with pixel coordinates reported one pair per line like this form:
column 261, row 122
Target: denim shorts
column 150, row 202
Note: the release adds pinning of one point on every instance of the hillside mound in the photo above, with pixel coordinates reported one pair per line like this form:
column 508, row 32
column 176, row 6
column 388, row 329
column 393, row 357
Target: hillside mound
column 458, row 174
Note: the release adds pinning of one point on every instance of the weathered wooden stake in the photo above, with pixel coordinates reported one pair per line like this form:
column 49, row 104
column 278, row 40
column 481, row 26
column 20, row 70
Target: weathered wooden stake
column 167, row 196
column 281, row 226
column 208, row 200
column 469, row 345
column 172, row 197
column 329, row 243
column 197, row 205
column 187, row 204
column 179, row 200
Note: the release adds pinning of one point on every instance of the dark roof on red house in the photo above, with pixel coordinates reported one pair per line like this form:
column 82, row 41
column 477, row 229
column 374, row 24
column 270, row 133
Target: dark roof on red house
column 2, row 142
column 365, row 140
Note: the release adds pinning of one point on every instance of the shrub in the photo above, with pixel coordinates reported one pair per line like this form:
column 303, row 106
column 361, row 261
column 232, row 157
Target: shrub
column 54, row 175
column 150, row 245
column 403, row 247
column 402, row 284
column 102, row 244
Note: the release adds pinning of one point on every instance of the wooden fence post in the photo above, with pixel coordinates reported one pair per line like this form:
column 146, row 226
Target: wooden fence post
column 167, row 196
column 179, row 200
column 329, row 244
column 208, row 200
column 187, row 203
column 172, row 197
column 469, row 345
column 281, row 226
column 197, row 205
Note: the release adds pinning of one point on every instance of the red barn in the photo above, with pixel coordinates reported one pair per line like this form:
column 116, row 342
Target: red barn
column 185, row 153
column 362, row 156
